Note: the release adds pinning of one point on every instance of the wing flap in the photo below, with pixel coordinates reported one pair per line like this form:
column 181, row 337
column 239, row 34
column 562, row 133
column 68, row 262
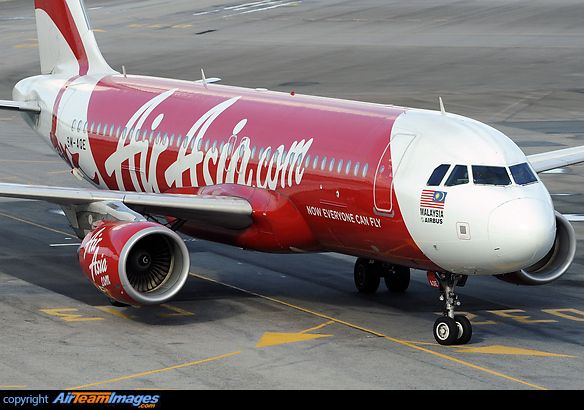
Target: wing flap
column 556, row 159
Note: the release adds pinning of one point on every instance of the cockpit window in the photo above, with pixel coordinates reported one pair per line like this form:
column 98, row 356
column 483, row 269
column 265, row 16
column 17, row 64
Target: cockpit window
column 438, row 175
column 522, row 174
column 488, row 175
column 458, row 176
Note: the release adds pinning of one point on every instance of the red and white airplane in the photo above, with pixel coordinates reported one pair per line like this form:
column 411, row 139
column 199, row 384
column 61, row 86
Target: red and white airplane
column 398, row 188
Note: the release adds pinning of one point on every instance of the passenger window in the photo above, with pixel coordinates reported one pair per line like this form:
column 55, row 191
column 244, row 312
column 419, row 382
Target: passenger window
column 438, row 175
column 331, row 165
column 487, row 175
column 522, row 174
column 458, row 176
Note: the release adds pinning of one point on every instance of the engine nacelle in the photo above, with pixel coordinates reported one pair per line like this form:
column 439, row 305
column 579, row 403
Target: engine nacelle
column 136, row 263
column 554, row 264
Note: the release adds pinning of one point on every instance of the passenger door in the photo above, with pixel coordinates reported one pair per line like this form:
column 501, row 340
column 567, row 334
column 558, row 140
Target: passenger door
column 385, row 172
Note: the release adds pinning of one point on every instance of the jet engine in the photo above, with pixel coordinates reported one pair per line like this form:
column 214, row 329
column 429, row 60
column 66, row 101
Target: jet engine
column 135, row 263
column 554, row 264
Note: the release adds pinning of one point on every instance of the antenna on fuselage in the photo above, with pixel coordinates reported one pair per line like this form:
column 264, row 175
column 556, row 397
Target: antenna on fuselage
column 203, row 78
column 442, row 110
column 124, row 70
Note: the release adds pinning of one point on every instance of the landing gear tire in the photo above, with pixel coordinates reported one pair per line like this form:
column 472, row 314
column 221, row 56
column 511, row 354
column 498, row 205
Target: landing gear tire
column 366, row 275
column 445, row 330
column 464, row 329
column 397, row 278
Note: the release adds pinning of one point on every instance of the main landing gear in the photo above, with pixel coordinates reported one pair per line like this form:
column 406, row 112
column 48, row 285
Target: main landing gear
column 368, row 274
column 450, row 329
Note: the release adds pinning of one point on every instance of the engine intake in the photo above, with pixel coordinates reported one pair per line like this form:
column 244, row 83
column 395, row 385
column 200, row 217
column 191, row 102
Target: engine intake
column 136, row 263
column 554, row 264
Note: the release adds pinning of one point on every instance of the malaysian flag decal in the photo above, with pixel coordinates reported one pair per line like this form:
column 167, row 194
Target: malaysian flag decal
column 432, row 199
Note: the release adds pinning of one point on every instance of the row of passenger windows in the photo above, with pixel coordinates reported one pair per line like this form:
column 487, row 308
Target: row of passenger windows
column 482, row 175
column 317, row 163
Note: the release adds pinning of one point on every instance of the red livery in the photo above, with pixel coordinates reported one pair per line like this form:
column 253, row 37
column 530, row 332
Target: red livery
column 398, row 188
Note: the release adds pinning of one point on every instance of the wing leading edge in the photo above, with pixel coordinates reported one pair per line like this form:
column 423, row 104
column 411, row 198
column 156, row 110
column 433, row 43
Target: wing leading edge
column 556, row 159
column 20, row 106
column 218, row 210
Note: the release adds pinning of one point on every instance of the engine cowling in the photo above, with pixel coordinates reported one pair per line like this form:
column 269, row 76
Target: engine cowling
column 136, row 263
column 554, row 264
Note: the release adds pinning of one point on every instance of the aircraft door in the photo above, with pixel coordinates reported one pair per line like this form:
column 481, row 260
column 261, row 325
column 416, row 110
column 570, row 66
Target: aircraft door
column 386, row 170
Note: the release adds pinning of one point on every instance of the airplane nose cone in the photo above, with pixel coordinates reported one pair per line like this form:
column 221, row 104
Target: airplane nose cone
column 522, row 231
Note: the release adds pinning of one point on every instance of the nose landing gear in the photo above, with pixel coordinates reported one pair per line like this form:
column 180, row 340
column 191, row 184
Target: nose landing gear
column 450, row 328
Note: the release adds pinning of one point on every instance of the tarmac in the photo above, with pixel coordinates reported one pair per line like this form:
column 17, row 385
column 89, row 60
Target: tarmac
column 258, row 321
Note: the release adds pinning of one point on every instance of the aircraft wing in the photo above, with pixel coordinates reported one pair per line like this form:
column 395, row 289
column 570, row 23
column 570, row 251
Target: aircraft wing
column 218, row 210
column 19, row 106
column 556, row 159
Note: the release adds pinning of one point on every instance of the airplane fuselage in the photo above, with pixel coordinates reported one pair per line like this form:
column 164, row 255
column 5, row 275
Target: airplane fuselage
column 357, row 174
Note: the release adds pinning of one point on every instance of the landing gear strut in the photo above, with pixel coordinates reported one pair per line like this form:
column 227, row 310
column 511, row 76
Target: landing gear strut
column 450, row 328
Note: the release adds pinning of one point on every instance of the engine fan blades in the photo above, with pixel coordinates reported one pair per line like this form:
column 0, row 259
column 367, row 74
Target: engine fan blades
column 149, row 263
